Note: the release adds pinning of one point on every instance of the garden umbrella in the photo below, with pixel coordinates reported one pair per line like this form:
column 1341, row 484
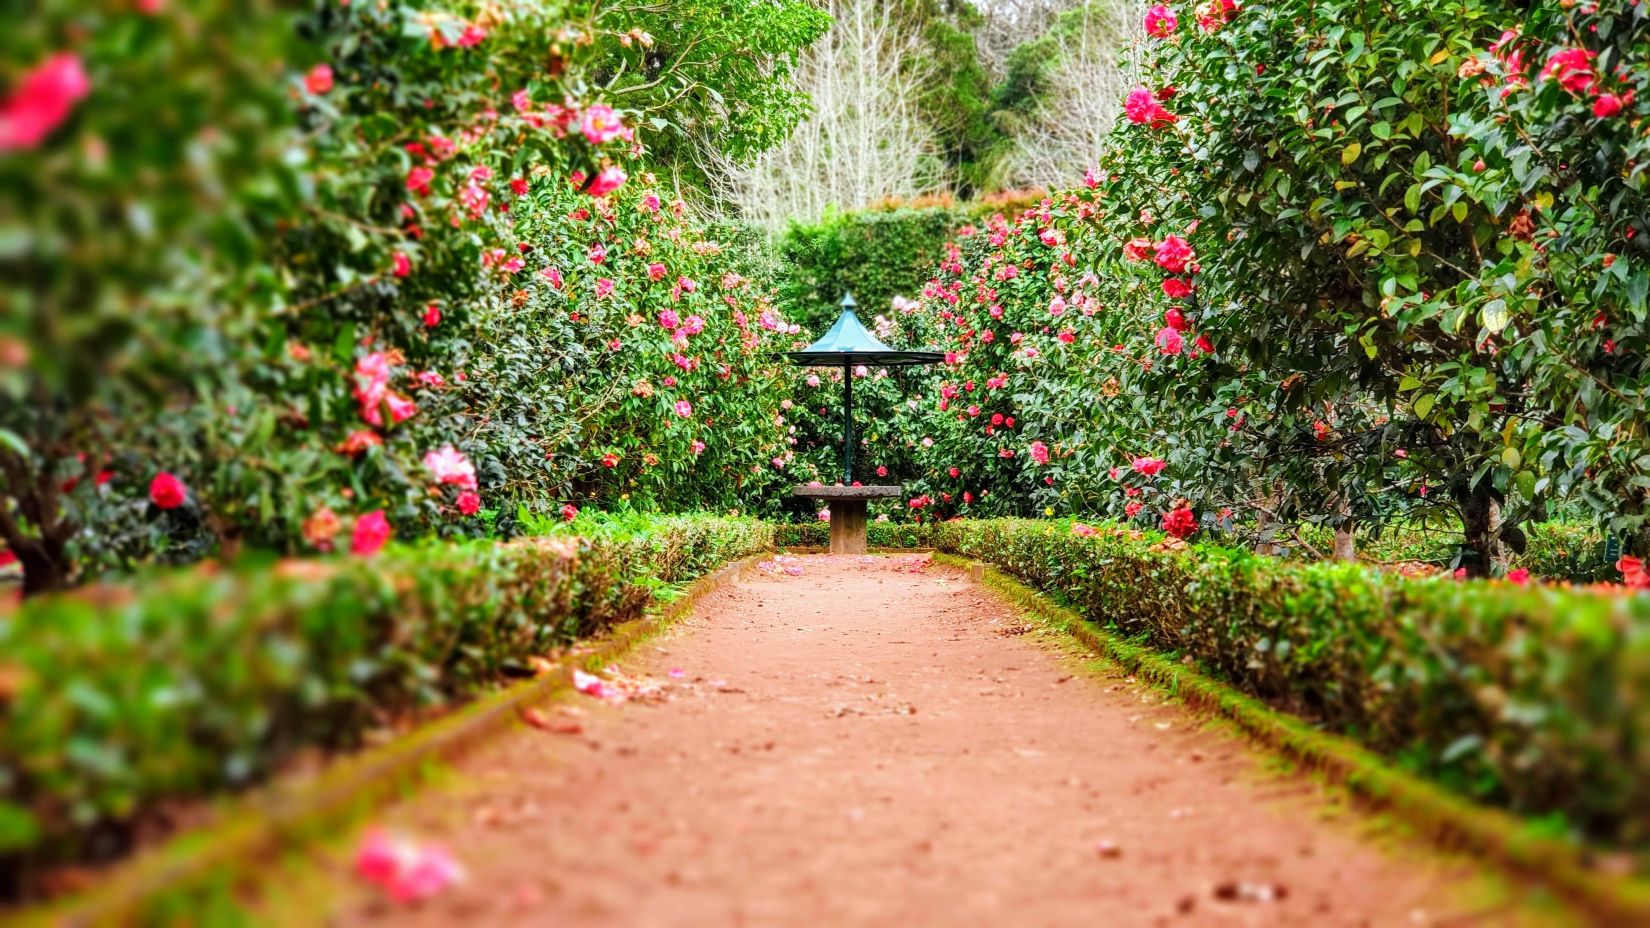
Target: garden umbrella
column 846, row 345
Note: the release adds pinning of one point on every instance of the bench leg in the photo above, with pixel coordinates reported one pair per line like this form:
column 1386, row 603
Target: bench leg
column 848, row 526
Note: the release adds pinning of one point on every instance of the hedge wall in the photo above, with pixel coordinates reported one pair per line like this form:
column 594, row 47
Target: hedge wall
column 1536, row 698
column 116, row 701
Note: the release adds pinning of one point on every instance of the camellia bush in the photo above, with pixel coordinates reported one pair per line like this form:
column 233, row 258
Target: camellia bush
column 1342, row 264
column 271, row 266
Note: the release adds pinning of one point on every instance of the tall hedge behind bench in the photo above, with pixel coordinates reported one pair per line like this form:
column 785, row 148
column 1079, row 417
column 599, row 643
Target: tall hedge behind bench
column 115, row 701
column 1536, row 698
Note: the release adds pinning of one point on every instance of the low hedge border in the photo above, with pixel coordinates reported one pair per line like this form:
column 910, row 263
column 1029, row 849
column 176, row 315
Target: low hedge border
column 1443, row 817
column 120, row 701
column 158, row 883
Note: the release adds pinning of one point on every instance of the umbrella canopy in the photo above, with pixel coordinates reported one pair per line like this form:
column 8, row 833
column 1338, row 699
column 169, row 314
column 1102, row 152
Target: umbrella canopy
column 848, row 342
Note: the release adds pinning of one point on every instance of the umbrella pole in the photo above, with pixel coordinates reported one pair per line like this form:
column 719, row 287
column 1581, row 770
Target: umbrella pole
column 847, row 425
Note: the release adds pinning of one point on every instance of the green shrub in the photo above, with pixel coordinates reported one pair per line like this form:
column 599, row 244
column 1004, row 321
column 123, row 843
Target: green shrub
column 116, row 701
column 877, row 535
column 1529, row 697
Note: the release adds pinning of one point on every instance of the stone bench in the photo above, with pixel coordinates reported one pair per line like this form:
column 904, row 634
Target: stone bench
column 848, row 507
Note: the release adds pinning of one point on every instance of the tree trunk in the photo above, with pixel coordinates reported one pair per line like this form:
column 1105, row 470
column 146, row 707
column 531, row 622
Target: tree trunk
column 1346, row 542
column 45, row 565
column 1482, row 524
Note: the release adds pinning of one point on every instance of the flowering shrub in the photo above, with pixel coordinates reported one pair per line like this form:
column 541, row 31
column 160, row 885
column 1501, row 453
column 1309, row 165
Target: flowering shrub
column 1518, row 695
column 264, row 251
column 207, row 681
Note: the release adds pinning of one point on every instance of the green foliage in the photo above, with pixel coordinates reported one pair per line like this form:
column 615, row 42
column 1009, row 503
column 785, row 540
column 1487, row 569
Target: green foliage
column 119, row 700
column 1522, row 696
column 875, row 254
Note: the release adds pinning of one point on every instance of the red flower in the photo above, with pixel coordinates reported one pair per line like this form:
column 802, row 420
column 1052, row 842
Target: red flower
column 1519, row 576
column 1176, row 289
column 42, row 101
column 167, row 491
column 371, row 532
column 569, row 512
column 1180, row 522
column 432, row 316
column 1137, row 249
column 1149, row 467
column 1573, row 69
column 1161, row 22
column 469, row 502
column 7, row 558
column 607, row 180
column 1142, row 109
column 401, row 265
column 1175, row 319
column 1633, row 573
column 1172, row 254
column 1607, row 105
column 1169, row 341
column 418, row 180
column 319, row 79
column 1133, row 509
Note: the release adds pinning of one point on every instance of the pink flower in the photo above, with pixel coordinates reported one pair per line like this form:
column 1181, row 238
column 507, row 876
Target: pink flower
column 469, row 502
column 166, row 491
column 1039, row 452
column 589, row 684
column 668, row 320
column 418, row 180
column 1142, row 109
column 656, row 271
column 1137, row 249
column 42, row 101
column 1180, row 522
column 1133, row 509
column 1607, row 105
column 601, row 125
column 552, row 274
column 472, row 36
column 371, row 532
column 649, row 204
column 604, row 288
column 1573, row 69
column 1175, row 319
column 449, row 466
column 1519, row 575
column 400, row 265
column 1161, row 22
column 824, row 515
column 408, row 872
column 597, row 253
column 1169, row 341
column 607, row 180
column 1176, row 288
column 1172, row 254
column 698, row 447
column 684, row 409
column 1081, row 530
column 693, row 325
column 1149, row 467
column 432, row 316
column 319, row 79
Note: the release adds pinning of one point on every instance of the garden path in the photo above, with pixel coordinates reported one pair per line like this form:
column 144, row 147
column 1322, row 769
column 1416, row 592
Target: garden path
column 881, row 741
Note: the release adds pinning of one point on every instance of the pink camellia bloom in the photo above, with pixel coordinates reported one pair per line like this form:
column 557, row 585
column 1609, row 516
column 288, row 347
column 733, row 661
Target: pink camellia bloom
column 469, row 502
column 656, row 271
column 418, row 180
column 1607, row 105
column 684, row 408
column 589, row 684
column 668, row 320
column 604, row 288
column 319, row 79
column 1175, row 319
column 693, row 325
column 882, row 471
column 1149, row 467
column 1176, row 288
column 472, row 36
column 1180, row 522
column 1133, row 509
column 408, row 872
column 401, row 408
column 401, row 265
column 1142, row 109
column 1081, row 530
column 370, row 533
column 601, row 125
column 824, row 515
column 1203, row 344
column 813, row 380
column 166, row 491
column 1039, row 452
column 569, row 512
column 448, row 465
column 649, row 204
column 1519, row 575
column 1169, row 341
column 1573, row 69
column 552, row 274
column 597, row 253
column 1161, row 22
column 42, row 101
column 1172, row 254
column 607, row 180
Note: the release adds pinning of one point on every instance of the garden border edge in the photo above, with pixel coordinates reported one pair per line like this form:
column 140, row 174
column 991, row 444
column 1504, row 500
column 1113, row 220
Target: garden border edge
column 1446, row 820
column 278, row 817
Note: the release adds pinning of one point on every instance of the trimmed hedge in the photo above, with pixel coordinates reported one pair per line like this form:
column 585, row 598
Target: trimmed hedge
column 1572, row 551
column 115, row 702
column 877, row 535
column 1536, row 698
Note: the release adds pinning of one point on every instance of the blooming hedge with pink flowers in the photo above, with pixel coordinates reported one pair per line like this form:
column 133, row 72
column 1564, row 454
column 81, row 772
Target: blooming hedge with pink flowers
column 118, row 701
column 307, row 278
column 1340, row 263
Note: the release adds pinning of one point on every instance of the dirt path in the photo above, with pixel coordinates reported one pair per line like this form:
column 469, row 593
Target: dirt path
column 877, row 742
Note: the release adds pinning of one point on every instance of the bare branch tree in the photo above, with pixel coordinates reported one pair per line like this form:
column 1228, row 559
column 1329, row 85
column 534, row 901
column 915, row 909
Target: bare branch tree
column 865, row 141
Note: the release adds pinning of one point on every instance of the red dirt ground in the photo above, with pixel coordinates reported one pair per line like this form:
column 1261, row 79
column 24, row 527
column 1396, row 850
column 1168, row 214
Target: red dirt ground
column 878, row 742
